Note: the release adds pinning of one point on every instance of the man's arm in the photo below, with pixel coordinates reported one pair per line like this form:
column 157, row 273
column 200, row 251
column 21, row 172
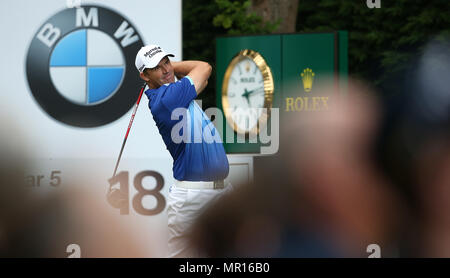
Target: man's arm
column 198, row 71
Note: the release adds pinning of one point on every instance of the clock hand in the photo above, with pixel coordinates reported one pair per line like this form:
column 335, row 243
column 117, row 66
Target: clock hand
column 245, row 94
column 260, row 89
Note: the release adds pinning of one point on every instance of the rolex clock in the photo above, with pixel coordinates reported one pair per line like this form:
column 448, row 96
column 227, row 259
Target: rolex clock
column 247, row 92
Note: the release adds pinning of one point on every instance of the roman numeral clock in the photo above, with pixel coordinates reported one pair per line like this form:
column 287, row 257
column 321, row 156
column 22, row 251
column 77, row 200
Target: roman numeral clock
column 247, row 93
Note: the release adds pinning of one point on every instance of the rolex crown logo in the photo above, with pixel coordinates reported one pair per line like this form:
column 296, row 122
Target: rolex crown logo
column 308, row 79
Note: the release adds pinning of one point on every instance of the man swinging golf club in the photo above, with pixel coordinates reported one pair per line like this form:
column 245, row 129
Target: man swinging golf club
column 199, row 166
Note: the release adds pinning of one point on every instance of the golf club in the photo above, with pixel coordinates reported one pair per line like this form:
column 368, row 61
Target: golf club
column 113, row 194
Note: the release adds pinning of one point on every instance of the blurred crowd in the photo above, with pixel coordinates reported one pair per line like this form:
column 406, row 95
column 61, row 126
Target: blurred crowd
column 367, row 171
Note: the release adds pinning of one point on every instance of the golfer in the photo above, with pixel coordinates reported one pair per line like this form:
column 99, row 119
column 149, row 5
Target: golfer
column 199, row 161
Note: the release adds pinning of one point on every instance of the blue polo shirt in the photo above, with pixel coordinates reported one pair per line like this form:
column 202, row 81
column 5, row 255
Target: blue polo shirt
column 191, row 138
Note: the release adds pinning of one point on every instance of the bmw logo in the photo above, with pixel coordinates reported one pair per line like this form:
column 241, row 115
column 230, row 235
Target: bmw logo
column 80, row 66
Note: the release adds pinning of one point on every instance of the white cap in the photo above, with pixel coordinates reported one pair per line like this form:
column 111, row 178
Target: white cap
column 149, row 56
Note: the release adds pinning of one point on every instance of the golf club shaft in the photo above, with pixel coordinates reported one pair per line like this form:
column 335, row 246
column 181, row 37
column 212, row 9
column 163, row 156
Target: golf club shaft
column 129, row 127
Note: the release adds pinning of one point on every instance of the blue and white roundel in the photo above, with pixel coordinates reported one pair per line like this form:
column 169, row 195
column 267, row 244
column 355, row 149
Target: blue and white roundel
column 87, row 66
column 80, row 66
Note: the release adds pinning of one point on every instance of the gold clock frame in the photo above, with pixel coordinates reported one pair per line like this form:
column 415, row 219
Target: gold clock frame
column 268, row 90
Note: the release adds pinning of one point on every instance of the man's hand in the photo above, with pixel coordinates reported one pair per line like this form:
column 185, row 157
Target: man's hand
column 198, row 71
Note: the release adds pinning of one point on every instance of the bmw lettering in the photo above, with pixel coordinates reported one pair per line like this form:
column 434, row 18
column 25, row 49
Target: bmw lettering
column 80, row 66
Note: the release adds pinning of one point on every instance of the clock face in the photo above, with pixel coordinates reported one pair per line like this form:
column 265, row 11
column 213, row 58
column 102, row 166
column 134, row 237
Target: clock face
column 245, row 94
column 247, row 89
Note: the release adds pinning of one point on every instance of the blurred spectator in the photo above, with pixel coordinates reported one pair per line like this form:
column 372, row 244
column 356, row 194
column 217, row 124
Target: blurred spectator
column 414, row 150
column 321, row 196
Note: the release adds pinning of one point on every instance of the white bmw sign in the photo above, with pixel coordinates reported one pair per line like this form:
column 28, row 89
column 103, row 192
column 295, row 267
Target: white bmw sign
column 68, row 86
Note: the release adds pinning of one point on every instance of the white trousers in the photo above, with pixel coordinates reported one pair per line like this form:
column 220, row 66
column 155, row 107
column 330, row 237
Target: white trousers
column 183, row 207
